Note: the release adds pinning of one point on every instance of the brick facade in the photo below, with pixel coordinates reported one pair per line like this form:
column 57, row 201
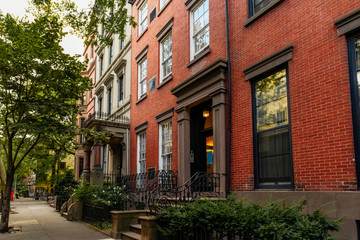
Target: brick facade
column 161, row 99
column 319, row 92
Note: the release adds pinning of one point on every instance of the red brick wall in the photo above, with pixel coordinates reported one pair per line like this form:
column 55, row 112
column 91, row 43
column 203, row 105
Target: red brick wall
column 320, row 105
column 160, row 100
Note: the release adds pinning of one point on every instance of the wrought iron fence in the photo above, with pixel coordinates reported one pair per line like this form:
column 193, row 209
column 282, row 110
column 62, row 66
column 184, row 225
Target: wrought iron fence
column 96, row 215
column 200, row 184
column 139, row 186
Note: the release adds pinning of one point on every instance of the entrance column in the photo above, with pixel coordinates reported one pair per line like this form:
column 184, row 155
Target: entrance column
column 219, row 131
column 97, row 176
column 86, row 173
column 183, row 145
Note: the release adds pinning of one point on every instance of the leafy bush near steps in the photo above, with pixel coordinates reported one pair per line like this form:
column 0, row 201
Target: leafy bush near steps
column 275, row 220
column 108, row 196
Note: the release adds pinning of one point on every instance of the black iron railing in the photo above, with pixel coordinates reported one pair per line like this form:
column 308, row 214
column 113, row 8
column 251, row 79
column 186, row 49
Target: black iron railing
column 200, row 184
column 107, row 117
column 60, row 200
column 96, row 215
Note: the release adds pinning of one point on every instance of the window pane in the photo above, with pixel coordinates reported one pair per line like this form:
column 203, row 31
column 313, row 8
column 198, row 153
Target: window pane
column 274, row 155
column 259, row 4
column 357, row 51
column 202, row 39
column 271, row 101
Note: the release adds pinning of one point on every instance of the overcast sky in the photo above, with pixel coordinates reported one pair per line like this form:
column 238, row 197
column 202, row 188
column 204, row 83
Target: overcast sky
column 71, row 44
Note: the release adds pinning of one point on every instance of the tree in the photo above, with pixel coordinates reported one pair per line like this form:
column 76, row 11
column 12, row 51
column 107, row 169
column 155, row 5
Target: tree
column 98, row 23
column 39, row 87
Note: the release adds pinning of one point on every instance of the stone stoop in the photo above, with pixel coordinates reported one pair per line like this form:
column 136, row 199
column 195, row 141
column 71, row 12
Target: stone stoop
column 133, row 234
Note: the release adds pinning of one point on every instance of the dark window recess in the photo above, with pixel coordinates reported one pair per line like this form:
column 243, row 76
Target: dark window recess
column 109, row 101
column 62, row 165
column 121, row 89
column 151, row 173
column 272, row 144
column 81, row 166
column 153, row 15
column 100, row 107
column 82, row 123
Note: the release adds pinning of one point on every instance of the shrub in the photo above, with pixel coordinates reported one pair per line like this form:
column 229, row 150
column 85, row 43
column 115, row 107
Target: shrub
column 231, row 218
column 108, row 196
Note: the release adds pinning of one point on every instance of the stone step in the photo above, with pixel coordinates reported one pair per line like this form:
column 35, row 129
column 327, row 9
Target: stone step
column 130, row 236
column 136, row 228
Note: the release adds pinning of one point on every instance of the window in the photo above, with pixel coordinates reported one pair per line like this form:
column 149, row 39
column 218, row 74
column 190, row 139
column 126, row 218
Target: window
column 272, row 138
column 200, row 28
column 256, row 5
column 142, row 78
column 143, row 18
column 81, row 166
column 121, row 90
column 163, row 3
column 121, row 44
column 110, row 53
column 103, row 158
column 141, row 170
column 166, row 57
column 101, row 65
column 83, row 99
column 109, row 101
column 82, row 123
column 100, row 107
column 354, row 65
column 102, row 30
column 165, row 146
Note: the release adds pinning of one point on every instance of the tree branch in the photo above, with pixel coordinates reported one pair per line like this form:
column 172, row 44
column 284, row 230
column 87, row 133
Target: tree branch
column 27, row 152
column 19, row 146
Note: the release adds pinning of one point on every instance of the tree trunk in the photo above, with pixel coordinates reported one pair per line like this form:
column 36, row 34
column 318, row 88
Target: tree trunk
column 5, row 213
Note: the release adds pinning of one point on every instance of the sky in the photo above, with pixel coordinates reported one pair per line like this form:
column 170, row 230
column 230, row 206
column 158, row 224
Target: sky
column 71, row 44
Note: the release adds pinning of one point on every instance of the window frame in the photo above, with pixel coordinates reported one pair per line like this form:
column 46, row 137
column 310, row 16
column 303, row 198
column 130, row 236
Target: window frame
column 101, row 65
column 162, row 76
column 193, row 54
column 163, row 4
column 140, row 81
column 121, row 90
column 269, row 185
column 355, row 98
column 141, row 162
column 109, row 101
column 143, row 21
column 161, row 143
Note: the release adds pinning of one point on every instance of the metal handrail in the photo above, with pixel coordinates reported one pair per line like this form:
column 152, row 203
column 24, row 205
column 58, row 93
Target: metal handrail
column 201, row 184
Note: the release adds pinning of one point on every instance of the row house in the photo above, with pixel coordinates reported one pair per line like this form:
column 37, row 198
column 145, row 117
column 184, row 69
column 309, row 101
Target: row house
column 295, row 104
column 86, row 105
column 178, row 113
column 261, row 94
column 111, row 112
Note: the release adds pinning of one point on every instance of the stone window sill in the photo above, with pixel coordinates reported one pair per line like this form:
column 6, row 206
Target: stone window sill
column 262, row 12
column 141, row 98
column 199, row 56
column 164, row 81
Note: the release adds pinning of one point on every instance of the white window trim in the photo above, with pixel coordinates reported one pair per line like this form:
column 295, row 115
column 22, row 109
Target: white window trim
column 161, row 60
column 163, row 3
column 140, row 184
column 143, row 20
column 192, row 42
column 161, row 162
column 140, row 94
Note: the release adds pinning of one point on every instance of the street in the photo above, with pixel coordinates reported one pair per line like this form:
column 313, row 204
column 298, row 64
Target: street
column 41, row 222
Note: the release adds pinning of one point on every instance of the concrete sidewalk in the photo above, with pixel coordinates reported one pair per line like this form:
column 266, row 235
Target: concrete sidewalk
column 41, row 222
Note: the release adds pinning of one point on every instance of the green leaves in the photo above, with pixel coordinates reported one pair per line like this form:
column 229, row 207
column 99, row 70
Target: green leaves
column 231, row 218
